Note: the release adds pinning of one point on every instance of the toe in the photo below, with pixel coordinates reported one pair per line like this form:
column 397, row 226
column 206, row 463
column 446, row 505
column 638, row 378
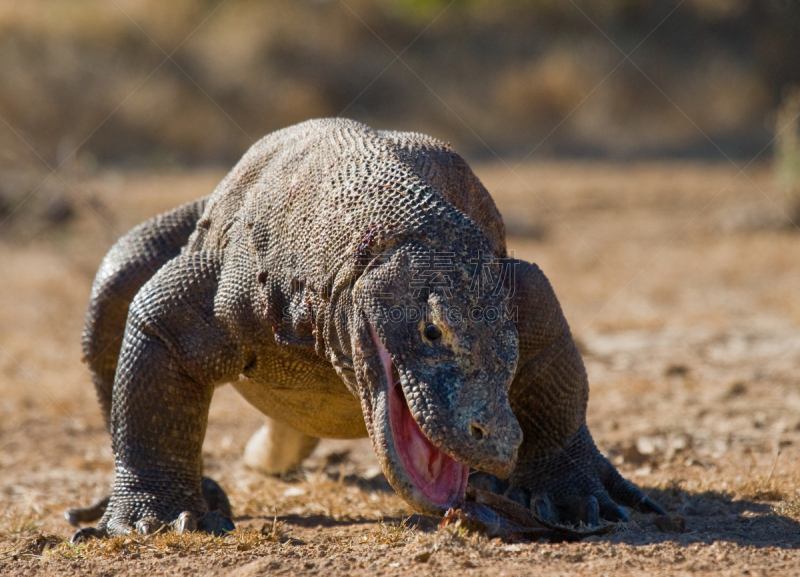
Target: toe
column 542, row 506
column 609, row 510
column 83, row 535
column 149, row 525
column 73, row 516
column 215, row 523
column 624, row 492
column 215, row 497
column 646, row 505
column 571, row 508
column 519, row 495
column 117, row 527
column 77, row 516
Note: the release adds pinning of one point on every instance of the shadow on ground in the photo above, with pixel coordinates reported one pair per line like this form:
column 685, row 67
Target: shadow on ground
column 704, row 517
column 419, row 522
column 713, row 516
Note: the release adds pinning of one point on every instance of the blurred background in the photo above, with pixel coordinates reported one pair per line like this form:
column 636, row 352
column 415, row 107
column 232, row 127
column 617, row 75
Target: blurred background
column 151, row 83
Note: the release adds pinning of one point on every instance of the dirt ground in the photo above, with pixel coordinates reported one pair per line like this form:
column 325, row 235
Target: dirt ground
column 680, row 281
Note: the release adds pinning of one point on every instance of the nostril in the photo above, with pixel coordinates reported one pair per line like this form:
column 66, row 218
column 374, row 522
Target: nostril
column 477, row 432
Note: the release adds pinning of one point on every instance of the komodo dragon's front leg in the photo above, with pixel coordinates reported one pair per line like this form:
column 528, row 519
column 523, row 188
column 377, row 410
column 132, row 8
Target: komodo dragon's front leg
column 560, row 473
column 131, row 262
column 174, row 351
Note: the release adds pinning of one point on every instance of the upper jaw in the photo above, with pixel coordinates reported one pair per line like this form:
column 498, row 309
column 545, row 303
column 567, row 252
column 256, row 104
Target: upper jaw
column 495, row 451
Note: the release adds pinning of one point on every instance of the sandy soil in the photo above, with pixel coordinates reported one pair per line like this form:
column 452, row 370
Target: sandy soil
column 680, row 282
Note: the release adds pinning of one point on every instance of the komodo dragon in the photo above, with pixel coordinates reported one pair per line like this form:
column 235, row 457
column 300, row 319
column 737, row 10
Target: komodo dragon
column 348, row 282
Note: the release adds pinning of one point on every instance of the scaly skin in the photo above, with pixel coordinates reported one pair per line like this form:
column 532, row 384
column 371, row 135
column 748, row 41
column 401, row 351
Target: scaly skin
column 303, row 280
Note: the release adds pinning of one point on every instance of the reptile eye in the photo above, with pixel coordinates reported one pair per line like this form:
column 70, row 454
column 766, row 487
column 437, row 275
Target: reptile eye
column 432, row 332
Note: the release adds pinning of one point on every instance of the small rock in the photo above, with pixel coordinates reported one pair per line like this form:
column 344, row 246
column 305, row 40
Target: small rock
column 737, row 389
column 422, row 556
column 632, row 455
column 649, row 445
column 672, row 523
column 294, row 492
column 677, row 371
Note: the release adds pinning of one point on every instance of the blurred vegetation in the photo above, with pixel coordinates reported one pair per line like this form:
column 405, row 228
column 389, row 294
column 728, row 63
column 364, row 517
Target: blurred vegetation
column 787, row 151
column 154, row 83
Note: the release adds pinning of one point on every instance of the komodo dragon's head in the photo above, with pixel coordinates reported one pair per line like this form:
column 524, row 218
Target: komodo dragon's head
column 434, row 351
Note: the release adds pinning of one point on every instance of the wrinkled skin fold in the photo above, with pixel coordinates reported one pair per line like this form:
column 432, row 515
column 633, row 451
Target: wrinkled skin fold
column 348, row 282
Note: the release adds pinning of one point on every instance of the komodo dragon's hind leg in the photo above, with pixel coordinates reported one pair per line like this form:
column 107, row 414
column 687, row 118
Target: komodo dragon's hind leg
column 277, row 449
column 560, row 473
column 130, row 263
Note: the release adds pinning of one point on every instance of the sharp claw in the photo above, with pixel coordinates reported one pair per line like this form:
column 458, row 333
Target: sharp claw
column 83, row 535
column 592, row 511
column 186, row 522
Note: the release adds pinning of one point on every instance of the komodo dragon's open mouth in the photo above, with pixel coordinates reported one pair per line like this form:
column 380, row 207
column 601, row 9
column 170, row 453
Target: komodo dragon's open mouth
column 437, row 477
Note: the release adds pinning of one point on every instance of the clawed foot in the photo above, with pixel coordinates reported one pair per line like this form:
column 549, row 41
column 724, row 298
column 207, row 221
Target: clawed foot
column 573, row 484
column 212, row 522
column 216, row 519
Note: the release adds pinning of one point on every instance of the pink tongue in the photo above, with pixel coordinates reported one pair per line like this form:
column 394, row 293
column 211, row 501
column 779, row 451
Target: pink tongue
column 440, row 478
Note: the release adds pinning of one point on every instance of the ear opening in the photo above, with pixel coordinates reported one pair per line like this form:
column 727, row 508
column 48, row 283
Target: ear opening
column 373, row 247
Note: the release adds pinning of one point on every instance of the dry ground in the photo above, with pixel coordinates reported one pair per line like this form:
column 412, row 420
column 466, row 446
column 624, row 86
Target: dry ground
column 679, row 280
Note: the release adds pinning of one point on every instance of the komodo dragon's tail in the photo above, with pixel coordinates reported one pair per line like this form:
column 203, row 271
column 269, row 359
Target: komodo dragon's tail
column 130, row 263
